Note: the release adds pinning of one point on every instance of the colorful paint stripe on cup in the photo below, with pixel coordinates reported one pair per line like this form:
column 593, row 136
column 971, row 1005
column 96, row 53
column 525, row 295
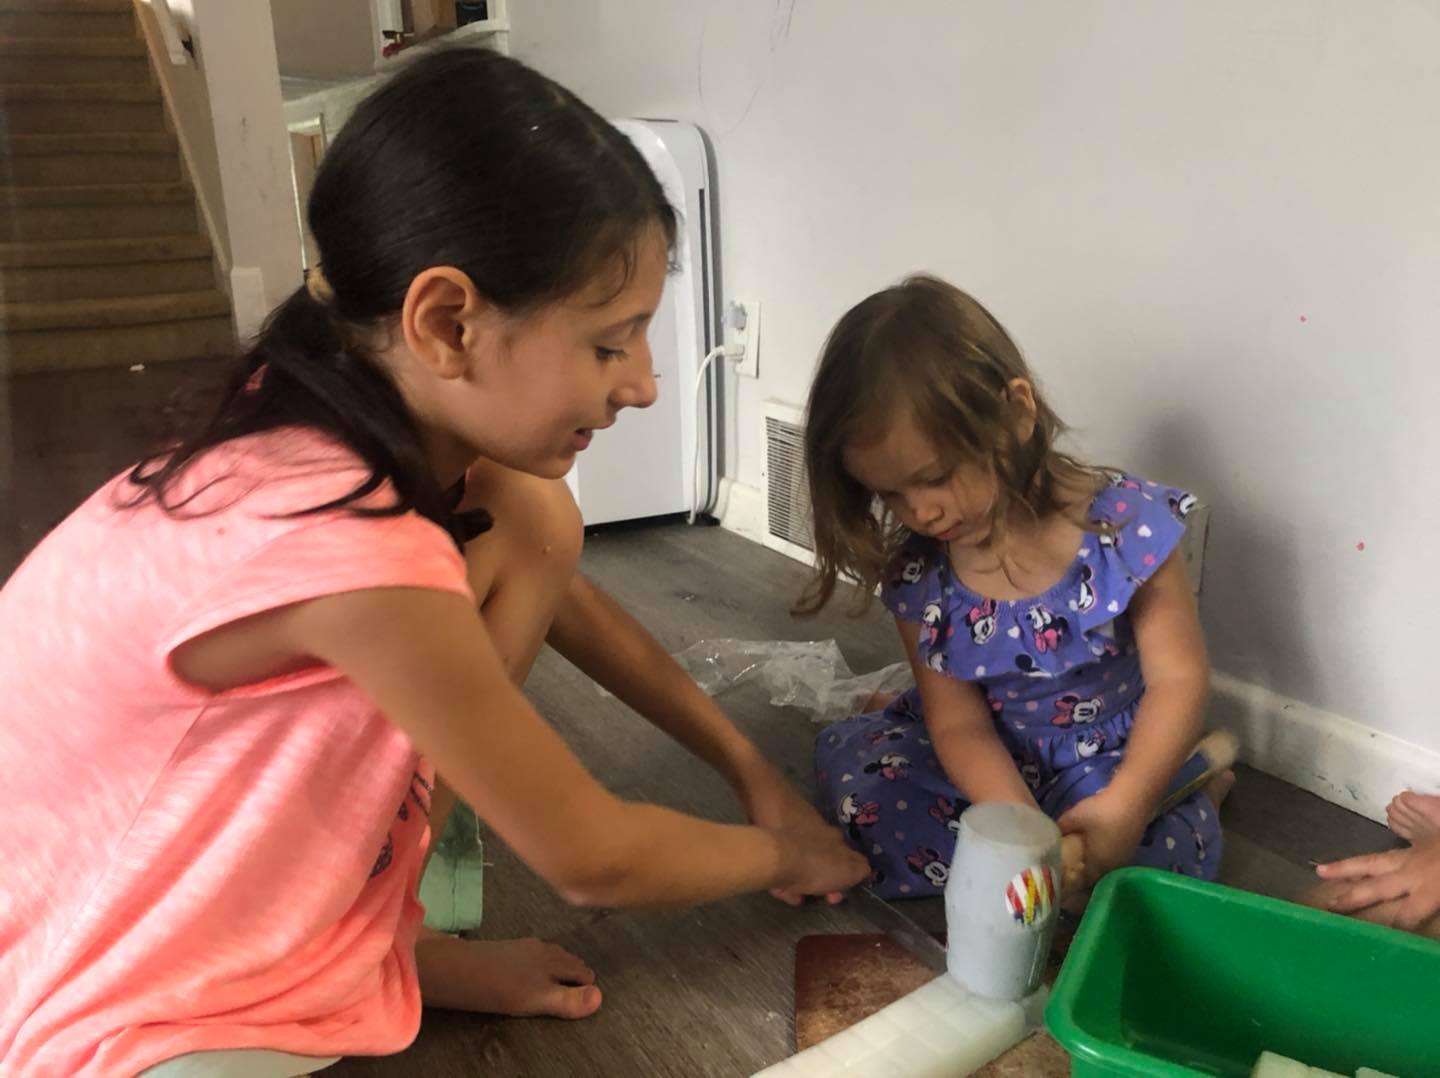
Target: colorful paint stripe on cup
column 1030, row 896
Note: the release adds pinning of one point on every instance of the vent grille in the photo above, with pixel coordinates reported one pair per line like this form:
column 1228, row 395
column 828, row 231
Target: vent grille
column 787, row 494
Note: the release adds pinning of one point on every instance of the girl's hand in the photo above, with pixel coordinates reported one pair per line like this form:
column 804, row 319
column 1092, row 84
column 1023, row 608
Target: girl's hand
column 1110, row 826
column 1408, row 880
column 772, row 803
column 816, row 862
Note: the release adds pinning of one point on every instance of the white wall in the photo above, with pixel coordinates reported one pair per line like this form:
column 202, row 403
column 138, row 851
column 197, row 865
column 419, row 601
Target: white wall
column 331, row 106
column 235, row 51
column 325, row 37
column 187, row 102
column 1213, row 225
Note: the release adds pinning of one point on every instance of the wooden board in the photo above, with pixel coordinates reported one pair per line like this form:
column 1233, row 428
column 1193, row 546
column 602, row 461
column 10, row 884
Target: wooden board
column 840, row 980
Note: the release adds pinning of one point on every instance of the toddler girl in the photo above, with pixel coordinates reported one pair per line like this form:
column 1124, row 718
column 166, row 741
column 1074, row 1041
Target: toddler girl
column 1043, row 604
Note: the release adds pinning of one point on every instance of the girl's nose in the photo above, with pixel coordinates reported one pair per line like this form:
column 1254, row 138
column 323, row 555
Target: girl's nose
column 924, row 512
column 637, row 387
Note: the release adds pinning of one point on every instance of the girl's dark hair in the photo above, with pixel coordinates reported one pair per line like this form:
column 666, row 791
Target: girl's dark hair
column 926, row 353
column 464, row 158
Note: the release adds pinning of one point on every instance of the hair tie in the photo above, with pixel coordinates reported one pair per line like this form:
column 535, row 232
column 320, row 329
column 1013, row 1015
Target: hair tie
column 318, row 287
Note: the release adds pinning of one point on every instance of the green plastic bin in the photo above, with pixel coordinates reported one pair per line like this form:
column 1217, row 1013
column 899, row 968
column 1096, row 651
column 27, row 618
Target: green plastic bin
column 1171, row 976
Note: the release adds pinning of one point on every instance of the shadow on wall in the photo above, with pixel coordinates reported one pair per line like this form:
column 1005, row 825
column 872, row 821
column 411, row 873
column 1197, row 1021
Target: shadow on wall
column 1249, row 602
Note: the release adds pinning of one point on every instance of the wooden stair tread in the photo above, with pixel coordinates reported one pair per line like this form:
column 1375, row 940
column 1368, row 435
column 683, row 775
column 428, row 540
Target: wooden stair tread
column 123, row 311
column 103, row 252
column 90, row 160
column 112, row 346
column 98, row 194
column 109, row 47
column 137, row 142
column 67, row 7
column 117, row 92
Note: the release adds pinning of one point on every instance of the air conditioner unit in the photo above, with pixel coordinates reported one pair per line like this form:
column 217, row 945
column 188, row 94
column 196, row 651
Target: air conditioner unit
column 644, row 466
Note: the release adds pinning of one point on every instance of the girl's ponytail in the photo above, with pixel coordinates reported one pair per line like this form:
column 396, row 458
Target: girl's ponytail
column 302, row 371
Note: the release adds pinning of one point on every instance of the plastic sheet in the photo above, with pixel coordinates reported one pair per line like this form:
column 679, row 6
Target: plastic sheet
column 810, row 675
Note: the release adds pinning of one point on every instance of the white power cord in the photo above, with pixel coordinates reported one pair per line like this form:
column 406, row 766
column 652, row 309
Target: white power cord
column 730, row 351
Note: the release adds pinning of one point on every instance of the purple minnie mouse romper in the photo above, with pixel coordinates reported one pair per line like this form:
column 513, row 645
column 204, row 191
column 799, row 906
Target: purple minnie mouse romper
column 1062, row 674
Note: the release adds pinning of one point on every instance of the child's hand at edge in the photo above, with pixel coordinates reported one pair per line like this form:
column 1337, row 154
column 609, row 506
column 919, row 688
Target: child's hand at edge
column 772, row 803
column 1409, row 879
column 817, row 862
column 1110, row 826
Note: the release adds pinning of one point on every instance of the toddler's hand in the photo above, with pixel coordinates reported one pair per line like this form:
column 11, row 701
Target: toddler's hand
column 1110, row 827
column 1407, row 879
column 1072, row 864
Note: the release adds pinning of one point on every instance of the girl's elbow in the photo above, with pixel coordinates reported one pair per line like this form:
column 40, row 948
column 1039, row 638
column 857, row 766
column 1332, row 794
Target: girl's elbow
column 599, row 885
column 586, row 894
column 595, row 873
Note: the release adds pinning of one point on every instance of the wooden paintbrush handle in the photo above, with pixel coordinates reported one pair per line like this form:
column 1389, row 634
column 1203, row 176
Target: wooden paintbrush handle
column 1219, row 749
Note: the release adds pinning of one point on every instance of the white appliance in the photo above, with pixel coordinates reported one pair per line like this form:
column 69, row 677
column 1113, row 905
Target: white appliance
column 644, row 465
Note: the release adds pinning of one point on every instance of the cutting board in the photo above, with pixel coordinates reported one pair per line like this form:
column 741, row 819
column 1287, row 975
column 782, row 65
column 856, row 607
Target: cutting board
column 841, row 979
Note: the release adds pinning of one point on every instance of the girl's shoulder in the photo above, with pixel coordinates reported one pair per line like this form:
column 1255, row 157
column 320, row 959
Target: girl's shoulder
column 276, row 473
column 1140, row 517
column 1141, row 523
column 264, row 533
column 268, row 509
column 1126, row 499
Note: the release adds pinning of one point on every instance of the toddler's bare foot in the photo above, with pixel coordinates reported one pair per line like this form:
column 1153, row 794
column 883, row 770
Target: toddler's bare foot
column 523, row 978
column 1414, row 817
column 1218, row 788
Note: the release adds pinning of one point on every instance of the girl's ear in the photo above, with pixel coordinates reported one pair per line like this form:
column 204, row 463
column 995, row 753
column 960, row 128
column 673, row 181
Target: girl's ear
column 1021, row 396
column 443, row 319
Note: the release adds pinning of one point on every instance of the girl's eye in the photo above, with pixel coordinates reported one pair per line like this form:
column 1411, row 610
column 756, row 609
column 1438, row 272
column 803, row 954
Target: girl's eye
column 938, row 481
column 605, row 355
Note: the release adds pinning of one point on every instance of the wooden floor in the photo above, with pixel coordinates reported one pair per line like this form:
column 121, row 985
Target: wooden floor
column 689, row 993
column 62, row 435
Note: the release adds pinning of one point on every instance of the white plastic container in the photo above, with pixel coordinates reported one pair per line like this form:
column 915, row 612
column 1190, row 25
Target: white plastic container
column 1002, row 899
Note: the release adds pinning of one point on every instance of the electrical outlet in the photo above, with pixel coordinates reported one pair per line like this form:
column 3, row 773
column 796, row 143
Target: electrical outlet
column 742, row 327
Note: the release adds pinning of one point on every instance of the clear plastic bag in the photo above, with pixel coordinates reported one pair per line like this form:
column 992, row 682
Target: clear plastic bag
column 810, row 675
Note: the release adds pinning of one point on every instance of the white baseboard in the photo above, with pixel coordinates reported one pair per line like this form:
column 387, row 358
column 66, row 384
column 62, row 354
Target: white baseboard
column 741, row 509
column 1353, row 765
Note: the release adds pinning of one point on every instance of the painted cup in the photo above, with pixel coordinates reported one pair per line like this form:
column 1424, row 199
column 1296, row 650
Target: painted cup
column 1002, row 899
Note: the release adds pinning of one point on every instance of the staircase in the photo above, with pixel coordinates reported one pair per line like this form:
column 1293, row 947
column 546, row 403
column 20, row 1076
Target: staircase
column 102, row 258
